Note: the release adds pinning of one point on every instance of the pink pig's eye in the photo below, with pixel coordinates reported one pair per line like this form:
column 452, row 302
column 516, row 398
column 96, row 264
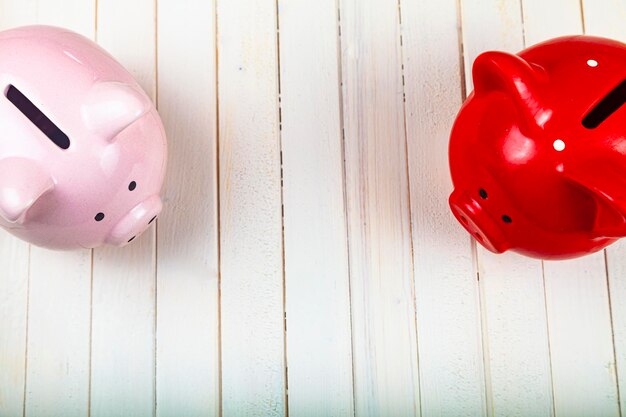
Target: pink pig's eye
column 99, row 217
column 132, row 186
column 36, row 116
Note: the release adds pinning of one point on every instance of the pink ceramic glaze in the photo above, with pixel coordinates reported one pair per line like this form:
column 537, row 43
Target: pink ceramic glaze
column 83, row 150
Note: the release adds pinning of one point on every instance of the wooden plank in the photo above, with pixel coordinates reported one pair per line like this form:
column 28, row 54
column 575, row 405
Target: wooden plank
column 617, row 292
column 383, row 310
column 187, row 374
column 319, row 355
column 122, row 362
column 576, row 290
column 14, row 265
column 13, row 322
column 514, row 320
column 60, row 287
column 448, row 308
column 606, row 18
column 583, row 363
column 541, row 21
column 253, row 379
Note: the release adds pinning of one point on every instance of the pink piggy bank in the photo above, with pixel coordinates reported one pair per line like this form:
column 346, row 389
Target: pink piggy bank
column 83, row 150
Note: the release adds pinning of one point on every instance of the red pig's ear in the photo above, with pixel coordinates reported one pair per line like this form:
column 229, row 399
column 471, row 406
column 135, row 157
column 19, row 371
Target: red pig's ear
column 607, row 186
column 512, row 75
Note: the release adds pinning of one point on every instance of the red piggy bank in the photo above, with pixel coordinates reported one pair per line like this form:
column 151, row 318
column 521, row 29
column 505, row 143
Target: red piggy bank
column 538, row 150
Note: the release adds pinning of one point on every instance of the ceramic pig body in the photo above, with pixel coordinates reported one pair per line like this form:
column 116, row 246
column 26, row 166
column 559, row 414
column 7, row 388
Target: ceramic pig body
column 538, row 150
column 83, row 150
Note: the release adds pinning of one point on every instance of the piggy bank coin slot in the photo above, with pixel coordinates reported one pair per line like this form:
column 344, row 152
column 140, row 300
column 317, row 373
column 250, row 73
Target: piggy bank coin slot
column 609, row 105
column 36, row 116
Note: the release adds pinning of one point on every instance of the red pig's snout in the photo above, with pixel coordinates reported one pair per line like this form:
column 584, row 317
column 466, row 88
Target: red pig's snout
column 478, row 222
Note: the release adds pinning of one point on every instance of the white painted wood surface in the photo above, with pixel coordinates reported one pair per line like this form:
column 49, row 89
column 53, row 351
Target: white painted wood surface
column 516, row 355
column 317, row 287
column 605, row 19
column 448, row 313
column 384, row 339
column 123, row 307
column 187, row 333
column 250, row 210
column 306, row 263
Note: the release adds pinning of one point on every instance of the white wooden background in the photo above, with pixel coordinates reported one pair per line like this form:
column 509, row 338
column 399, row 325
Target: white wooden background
column 306, row 263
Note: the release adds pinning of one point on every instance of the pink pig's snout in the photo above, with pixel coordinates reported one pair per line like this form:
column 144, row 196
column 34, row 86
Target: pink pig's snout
column 135, row 222
column 478, row 222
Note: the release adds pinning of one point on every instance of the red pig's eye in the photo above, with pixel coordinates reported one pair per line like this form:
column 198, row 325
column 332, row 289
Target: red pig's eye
column 507, row 219
column 483, row 194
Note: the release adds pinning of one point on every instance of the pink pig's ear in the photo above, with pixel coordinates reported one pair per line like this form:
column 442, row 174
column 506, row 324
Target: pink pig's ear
column 608, row 188
column 111, row 107
column 22, row 183
column 514, row 76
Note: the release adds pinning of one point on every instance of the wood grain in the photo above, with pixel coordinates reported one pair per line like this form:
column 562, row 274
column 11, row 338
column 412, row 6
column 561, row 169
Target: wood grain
column 306, row 262
column 319, row 351
column 383, row 309
column 123, row 302
column 251, row 251
column 514, row 320
column 575, row 289
column 583, row 363
column 606, row 18
column 14, row 256
column 187, row 332
column 59, row 327
column 448, row 310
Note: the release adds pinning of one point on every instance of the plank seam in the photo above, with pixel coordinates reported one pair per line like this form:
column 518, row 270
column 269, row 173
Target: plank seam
column 545, row 304
column 218, row 212
column 410, row 212
column 608, row 289
column 582, row 15
column 345, row 194
column 156, row 223
column 282, row 208
column 91, row 261
column 484, row 337
column 26, row 335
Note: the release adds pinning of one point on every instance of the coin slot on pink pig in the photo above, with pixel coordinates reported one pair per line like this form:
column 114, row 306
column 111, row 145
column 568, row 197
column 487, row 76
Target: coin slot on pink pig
column 37, row 117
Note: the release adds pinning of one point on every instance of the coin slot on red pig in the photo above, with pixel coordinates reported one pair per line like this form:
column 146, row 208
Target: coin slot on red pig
column 37, row 117
column 609, row 105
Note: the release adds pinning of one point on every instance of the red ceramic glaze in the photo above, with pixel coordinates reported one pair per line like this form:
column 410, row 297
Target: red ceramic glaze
column 538, row 150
